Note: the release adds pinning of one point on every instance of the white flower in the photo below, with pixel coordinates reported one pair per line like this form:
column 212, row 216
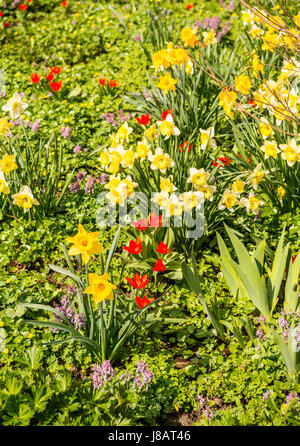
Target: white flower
column 206, row 138
column 167, row 127
column 15, row 106
column 160, row 160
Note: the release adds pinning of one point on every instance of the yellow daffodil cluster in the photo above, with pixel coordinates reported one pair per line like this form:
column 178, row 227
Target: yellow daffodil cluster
column 86, row 244
column 198, row 178
column 289, row 152
column 120, row 190
column 280, row 97
column 24, row 198
column 273, row 30
column 169, row 57
column 231, row 196
column 116, row 158
column 282, row 102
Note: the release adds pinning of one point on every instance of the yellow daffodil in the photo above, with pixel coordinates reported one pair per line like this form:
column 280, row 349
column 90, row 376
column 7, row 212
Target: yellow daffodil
column 4, row 126
column 257, row 175
column 85, row 243
column 210, row 37
column 207, row 191
column 160, row 60
column 270, row 149
column 161, row 198
column 227, row 101
column 105, row 158
column 191, row 199
column 290, row 152
column 167, row 185
column 238, row 187
column 167, row 127
column 142, row 149
column 252, row 203
column 257, row 65
column 119, row 189
column 151, row 133
column 198, row 177
column 100, row 288
column 160, row 160
column 8, row 164
column 128, row 158
column 242, row 84
column 247, row 18
column 206, row 137
column 174, row 206
column 188, row 36
column 4, row 188
column 265, row 128
column 167, row 83
column 177, row 56
column 270, row 41
column 281, row 192
column 228, row 201
column 297, row 20
column 124, row 132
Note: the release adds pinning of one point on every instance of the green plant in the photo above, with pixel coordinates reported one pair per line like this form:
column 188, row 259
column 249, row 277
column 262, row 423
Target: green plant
column 247, row 278
column 39, row 166
column 110, row 324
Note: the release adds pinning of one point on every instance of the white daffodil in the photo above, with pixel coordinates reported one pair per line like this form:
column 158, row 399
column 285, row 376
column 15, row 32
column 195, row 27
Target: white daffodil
column 24, row 199
column 167, row 127
column 15, row 106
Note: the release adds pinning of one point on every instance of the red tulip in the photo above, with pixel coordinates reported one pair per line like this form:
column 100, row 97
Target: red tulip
column 50, row 77
column 138, row 282
column 113, row 83
column 155, row 221
column 248, row 159
column 182, row 147
column 159, row 266
column 35, row 78
column 143, row 120
column 22, row 7
column 162, row 248
column 144, row 301
column 102, row 81
column 55, row 86
column 166, row 113
column 135, row 247
column 224, row 160
column 141, row 224
column 56, row 70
